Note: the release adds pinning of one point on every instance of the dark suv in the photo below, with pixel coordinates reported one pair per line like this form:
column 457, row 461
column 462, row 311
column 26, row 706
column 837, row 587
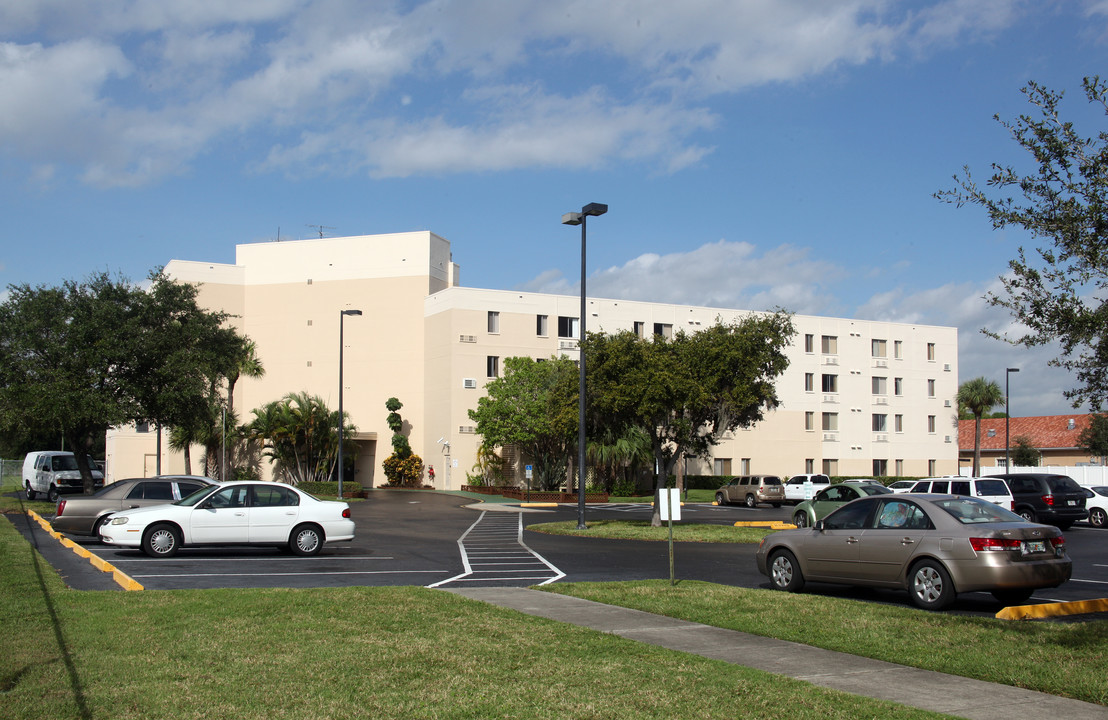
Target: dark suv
column 1046, row 498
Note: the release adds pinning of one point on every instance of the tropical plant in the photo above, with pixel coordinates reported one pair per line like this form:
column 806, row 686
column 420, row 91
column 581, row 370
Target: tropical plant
column 300, row 434
column 403, row 467
column 616, row 454
column 978, row 396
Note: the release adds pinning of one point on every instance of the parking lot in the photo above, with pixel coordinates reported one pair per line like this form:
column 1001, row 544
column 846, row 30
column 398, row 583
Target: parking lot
column 440, row 540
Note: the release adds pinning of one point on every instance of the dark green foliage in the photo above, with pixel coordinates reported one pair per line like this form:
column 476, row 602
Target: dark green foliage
column 1094, row 438
column 402, row 467
column 1023, row 453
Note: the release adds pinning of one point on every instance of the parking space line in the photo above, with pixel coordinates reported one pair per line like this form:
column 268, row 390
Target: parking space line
column 494, row 541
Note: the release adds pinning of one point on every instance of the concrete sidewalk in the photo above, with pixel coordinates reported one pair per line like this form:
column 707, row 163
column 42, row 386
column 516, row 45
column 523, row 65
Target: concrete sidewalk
column 924, row 689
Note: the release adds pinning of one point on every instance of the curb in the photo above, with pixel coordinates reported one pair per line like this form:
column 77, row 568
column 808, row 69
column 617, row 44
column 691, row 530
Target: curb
column 1076, row 607
column 771, row 524
column 121, row 578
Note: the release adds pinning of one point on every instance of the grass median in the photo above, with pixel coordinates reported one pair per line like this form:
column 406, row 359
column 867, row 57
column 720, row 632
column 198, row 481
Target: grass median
column 641, row 530
column 1066, row 659
column 404, row 652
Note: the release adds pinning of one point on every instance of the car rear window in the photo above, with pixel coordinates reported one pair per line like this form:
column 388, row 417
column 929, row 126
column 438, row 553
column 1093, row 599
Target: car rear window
column 771, row 480
column 1062, row 483
column 992, row 487
column 971, row 511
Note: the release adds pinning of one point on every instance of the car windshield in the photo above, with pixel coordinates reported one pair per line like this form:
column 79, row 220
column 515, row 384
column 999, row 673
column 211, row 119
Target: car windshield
column 969, row 511
column 190, row 500
column 64, row 462
column 1100, row 490
column 874, row 489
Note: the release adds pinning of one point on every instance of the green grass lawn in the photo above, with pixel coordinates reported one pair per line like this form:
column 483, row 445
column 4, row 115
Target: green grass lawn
column 350, row 653
column 1069, row 659
column 641, row 530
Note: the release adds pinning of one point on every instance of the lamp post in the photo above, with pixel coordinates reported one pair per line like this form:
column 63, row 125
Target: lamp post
column 572, row 218
column 1007, row 419
column 342, row 315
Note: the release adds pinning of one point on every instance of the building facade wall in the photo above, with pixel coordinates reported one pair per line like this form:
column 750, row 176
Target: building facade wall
column 428, row 342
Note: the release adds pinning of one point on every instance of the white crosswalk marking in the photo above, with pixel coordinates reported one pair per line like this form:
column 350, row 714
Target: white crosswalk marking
column 493, row 552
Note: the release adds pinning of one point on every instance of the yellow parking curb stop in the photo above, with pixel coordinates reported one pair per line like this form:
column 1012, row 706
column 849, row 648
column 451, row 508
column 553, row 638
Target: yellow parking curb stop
column 121, row 578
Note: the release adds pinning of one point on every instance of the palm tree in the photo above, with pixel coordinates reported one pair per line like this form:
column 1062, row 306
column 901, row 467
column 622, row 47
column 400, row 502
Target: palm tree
column 979, row 396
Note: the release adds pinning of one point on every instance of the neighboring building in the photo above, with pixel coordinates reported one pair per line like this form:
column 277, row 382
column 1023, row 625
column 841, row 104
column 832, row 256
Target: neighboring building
column 859, row 397
column 1055, row 436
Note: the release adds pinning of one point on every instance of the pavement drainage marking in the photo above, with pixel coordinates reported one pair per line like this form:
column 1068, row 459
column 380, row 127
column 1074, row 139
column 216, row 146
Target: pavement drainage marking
column 493, row 551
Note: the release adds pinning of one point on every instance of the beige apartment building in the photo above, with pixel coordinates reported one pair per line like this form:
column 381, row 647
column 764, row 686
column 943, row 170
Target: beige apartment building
column 859, row 397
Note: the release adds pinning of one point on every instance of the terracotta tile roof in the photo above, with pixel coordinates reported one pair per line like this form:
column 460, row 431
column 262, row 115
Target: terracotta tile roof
column 1047, row 432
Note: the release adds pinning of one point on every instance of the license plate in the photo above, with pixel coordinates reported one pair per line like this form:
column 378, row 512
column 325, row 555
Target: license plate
column 1034, row 546
column 1071, row 502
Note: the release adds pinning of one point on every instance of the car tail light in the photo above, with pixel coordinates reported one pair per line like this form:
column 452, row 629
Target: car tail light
column 1049, row 500
column 1059, row 542
column 980, row 544
column 61, row 507
column 346, row 512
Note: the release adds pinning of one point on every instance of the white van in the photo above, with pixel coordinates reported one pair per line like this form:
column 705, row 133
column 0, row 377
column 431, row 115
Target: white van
column 994, row 490
column 53, row 472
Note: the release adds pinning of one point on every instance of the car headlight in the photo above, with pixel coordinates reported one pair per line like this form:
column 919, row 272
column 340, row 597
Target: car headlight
column 120, row 520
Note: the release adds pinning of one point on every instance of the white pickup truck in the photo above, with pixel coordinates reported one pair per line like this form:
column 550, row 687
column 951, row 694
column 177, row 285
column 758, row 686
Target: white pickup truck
column 54, row 472
column 795, row 488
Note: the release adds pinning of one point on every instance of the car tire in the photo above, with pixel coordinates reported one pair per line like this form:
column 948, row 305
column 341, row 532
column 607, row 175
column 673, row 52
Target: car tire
column 31, row 494
column 52, row 494
column 1027, row 514
column 1013, row 596
column 801, row 520
column 751, row 501
column 784, row 571
column 100, row 522
column 306, row 540
column 930, row 585
column 720, row 500
column 1098, row 518
column 161, row 541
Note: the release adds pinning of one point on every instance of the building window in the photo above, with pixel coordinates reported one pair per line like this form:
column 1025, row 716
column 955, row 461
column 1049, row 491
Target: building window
column 879, row 349
column 880, row 422
column 898, row 423
column 931, row 424
column 830, row 383
column 640, row 328
column 665, row 330
column 829, row 345
column 898, row 349
column 809, row 382
column 931, row 351
column 492, row 366
column 930, row 388
column 809, row 420
column 542, row 325
column 880, row 386
column 567, row 327
column 809, row 343
column 898, row 386
column 932, row 467
column 723, row 466
column 830, row 467
column 494, row 321
column 744, row 466
column 830, row 421
column 880, row 468
column 809, row 465
column 900, row 468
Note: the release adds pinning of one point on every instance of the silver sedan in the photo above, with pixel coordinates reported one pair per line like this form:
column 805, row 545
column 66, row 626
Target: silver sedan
column 933, row 546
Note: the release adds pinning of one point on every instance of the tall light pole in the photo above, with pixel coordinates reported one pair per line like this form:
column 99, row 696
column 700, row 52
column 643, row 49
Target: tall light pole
column 342, row 315
column 1007, row 419
column 594, row 209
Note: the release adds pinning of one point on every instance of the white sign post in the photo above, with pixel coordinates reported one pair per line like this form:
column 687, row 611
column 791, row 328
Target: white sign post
column 669, row 509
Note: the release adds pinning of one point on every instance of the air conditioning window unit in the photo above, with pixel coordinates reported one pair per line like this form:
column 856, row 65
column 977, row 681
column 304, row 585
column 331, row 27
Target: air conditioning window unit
column 469, row 383
column 467, row 338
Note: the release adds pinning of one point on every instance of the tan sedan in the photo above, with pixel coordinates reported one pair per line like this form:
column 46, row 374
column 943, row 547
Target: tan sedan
column 933, row 546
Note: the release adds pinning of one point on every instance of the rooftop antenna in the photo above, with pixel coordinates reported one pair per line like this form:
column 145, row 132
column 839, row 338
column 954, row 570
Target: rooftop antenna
column 321, row 228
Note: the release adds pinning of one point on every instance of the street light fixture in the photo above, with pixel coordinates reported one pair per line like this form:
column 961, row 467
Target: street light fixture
column 572, row 218
column 1007, row 419
column 342, row 315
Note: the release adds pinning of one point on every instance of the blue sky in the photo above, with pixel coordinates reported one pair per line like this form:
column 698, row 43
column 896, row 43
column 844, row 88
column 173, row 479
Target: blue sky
column 753, row 153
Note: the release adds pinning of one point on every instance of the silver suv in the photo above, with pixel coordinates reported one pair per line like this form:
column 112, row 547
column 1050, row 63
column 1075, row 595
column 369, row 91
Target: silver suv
column 751, row 490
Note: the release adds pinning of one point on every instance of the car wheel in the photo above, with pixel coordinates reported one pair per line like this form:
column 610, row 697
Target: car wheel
column 930, row 585
column 161, row 541
column 751, row 501
column 1098, row 518
column 52, row 494
column 1013, row 596
column 784, row 571
column 100, row 522
column 720, row 500
column 800, row 520
column 1027, row 514
column 31, row 494
column 306, row 540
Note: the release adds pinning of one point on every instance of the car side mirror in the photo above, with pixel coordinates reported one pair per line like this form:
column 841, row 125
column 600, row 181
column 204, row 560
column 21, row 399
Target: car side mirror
column 818, row 526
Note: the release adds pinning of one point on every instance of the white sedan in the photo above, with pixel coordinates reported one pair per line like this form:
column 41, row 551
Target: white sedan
column 1098, row 507
column 234, row 513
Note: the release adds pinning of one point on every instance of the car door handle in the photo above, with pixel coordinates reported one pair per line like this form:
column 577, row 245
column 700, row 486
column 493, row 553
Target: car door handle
column 907, row 541
column 851, row 540
column 240, row 514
